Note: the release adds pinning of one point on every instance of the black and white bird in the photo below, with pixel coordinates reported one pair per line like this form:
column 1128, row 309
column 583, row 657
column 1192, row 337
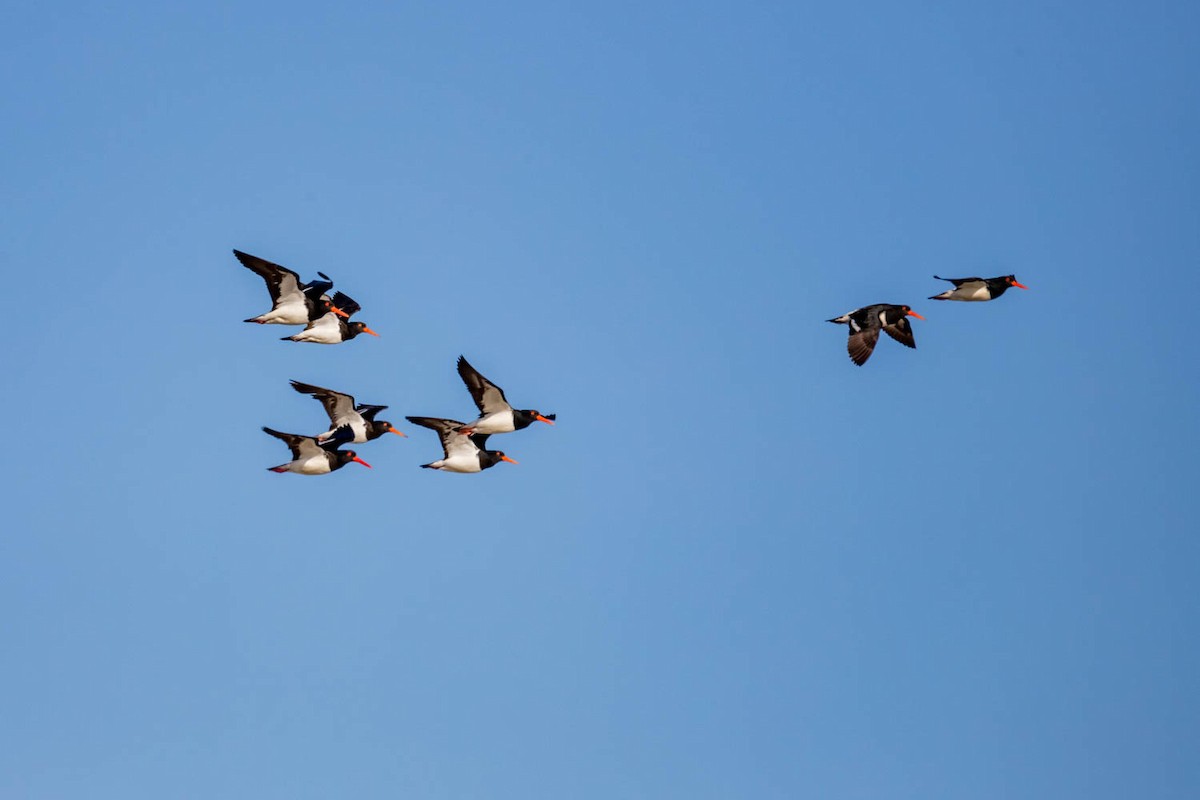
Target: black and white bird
column 495, row 414
column 977, row 289
column 866, row 323
column 329, row 329
column 461, row 452
column 312, row 458
column 293, row 302
column 343, row 412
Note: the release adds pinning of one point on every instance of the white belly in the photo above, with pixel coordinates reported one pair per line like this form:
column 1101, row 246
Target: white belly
column 460, row 464
column 313, row 465
column 497, row 422
column 286, row 314
column 972, row 292
column 323, row 331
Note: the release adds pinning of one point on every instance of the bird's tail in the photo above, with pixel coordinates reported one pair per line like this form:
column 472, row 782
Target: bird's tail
column 429, row 465
column 942, row 296
column 280, row 468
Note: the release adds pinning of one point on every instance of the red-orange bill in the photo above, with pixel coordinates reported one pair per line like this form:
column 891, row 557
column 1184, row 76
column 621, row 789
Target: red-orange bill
column 506, row 458
column 1019, row 285
column 339, row 312
column 359, row 460
column 398, row 433
column 543, row 419
column 368, row 330
column 915, row 314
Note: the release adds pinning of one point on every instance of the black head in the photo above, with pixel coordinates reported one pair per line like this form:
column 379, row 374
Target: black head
column 346, row 456
column 379, row 427
column 525, row 418
column 490, row 458
column 355, row 328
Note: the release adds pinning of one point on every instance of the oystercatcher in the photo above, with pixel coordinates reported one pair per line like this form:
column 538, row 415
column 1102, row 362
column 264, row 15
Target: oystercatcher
column 329, row 329
column 311, row 458
column 866, row 322
column 495, row 414
column 978, row 289
column 342, row 411
column 293, row 302
column 461, row 453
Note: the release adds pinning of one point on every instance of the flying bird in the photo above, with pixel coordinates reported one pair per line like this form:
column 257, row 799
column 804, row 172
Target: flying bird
column 329, row 329
column 461, row 452
column 343, row 412
column 866, row 322
column 312, row 458
column 293, row 302
column 977, row 289
column 495, row 414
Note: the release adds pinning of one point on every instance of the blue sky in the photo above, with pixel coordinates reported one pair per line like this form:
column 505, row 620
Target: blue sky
column 739, row 566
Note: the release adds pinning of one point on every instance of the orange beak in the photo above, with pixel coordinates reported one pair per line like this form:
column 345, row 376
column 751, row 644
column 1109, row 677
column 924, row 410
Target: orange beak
column 1019, row 285
column 506, row 458
column 359, row 460
column 398, row 433
column 914, row 314
column 540, row 418
column 339, row 312
column 368, row 330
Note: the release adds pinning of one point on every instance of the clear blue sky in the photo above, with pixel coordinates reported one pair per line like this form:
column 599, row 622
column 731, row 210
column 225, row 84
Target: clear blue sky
column 739, row 566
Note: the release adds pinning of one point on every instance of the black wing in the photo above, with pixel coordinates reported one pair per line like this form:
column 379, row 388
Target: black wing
column 337, row 404
column 301, row 446
column 338, row 438
column 902, row 332
column 280, row 281
column 489, row 398
column 480, row 440
column 368, row 412
column 447, row 430
column 344, row 302
column 957, row 281
column 861, row 344
column 315, row 289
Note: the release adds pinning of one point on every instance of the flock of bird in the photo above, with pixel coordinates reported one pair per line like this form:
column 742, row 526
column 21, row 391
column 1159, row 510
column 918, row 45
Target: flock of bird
column 326, row 320
column 866, row 322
